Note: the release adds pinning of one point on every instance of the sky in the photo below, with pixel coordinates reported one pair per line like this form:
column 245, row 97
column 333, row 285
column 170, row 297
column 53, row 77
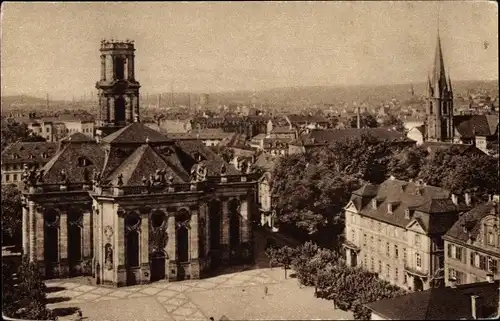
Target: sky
column 53, row 48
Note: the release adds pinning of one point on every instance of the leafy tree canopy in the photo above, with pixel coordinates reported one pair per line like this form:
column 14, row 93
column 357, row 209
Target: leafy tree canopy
column 11, row 213
column 366, row 121
column 13, row 131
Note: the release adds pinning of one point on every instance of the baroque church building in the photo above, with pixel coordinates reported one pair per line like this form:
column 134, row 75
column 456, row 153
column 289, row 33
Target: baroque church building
column 132, row 205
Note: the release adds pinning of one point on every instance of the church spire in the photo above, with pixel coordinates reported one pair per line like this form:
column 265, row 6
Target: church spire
column 439, row 81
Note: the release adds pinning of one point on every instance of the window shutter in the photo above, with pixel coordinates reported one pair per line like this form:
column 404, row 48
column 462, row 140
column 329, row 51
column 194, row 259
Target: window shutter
column 449, row 250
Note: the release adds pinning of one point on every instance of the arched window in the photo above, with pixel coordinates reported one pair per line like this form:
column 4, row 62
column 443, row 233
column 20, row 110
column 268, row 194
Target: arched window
column 75, row 225
column 214, row 210
column 182, row 235
column 51, row 236
column 234, row 222
column 132, row 223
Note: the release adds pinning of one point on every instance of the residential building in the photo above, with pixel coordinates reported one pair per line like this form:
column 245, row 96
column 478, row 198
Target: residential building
column 477, row 301
column 473, row 245
column 395, row 229
column 309, row 121
column 17, row 156
column 320, row 138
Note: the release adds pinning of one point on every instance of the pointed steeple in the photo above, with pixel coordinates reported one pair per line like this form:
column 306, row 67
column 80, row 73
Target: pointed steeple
column 429, row 86
column 438, row 73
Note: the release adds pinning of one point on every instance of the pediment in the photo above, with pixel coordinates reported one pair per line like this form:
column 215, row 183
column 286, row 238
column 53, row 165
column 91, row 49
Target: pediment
column 351, row 207
column 415, row 226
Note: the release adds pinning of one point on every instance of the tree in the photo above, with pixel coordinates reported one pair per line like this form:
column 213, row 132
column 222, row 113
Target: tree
column 366, row 121
column 394, row 122
column 25, row 298
column 407, row 163
column 13, row 131
column 11, row 214
column 283, row 257
column 462, row 173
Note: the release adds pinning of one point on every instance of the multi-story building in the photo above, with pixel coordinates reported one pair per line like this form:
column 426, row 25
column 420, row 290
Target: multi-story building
column 473, row 245
column 21, row 154
column 395, row 229
column 135, row 206
column 54, row 129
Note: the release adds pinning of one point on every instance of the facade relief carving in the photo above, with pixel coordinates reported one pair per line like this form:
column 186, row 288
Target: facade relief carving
column 108, row 232
column 108, row 254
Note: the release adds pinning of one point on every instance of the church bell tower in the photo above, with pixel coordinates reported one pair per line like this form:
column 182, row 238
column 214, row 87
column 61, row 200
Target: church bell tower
column 440, row 101
column 117, row 89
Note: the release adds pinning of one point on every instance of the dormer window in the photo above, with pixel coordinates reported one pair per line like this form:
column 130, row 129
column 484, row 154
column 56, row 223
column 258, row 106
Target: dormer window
column 374, row 204
column 82, row 161
column 389, row 208
column 407, row 214
column 15, row 156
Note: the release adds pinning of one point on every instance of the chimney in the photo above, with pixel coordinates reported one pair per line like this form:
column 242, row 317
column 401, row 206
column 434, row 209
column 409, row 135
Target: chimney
column 476, row 307
column 358, row 118
column 98, row 135
column 467, row 199
column 453, row 282
column 454, row 199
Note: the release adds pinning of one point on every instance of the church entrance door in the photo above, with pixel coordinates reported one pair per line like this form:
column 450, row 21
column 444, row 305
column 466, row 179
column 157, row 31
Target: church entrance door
column 157, row 266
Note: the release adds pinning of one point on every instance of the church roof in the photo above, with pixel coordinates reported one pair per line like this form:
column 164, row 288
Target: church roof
column 136, row 133
column 143, row 162
column 134, row 160
column 476, row 125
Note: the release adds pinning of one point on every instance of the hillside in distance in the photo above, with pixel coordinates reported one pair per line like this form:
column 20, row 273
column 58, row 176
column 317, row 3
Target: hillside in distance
column 328, row 94
column 289, row 96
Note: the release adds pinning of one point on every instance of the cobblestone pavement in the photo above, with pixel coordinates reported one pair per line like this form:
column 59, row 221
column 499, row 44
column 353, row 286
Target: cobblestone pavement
column 172, row 297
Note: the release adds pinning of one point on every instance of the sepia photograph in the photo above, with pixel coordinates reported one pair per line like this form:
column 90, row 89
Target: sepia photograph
column 254, row 160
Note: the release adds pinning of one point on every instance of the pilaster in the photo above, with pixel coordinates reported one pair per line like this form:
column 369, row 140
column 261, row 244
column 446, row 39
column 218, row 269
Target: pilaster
column 245, row 222
column 87, row 235
column 32, row 231
column 144, row 250
column 103, row 67
column 225, row 231
column 25, row 231
column 130, row 63
column 40, row 235
column 119, row 251
column 63, row 244
column 171, row 248
column 194, row 246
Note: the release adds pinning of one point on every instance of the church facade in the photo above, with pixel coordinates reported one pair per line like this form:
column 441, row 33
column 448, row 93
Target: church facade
column 135, row 206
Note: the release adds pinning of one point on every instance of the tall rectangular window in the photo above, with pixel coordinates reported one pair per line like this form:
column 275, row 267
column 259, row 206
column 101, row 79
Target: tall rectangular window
column 396, row 274
column 379, row 266
column 417, row 240
column 364, row 239
column 396, row 252
column 405, row 258
column 387, row 271
column 418, row 260
column 388, row 250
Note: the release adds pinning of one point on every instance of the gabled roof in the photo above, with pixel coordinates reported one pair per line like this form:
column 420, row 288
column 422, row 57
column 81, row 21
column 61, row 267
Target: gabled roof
column 78, row 138
column 433, row 147
column 69, row 160
column 28, row 152
column 472, row 220
column 429, row 203
column 476, row 125
column 143, row 162
column 135, row 133
column 439, row 303
column 331, row 135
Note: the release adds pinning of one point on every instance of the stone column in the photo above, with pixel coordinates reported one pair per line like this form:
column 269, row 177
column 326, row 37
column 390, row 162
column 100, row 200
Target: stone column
column 225, row 246
column 207, row 228
column 144, row 250
column 108, row 109
column 32, row 231
column 130, row 63
column 103, row 67
column 194, row 245
column 63, row 244
column 87, row 236
column 245, row 222
column 112, row 109
column 26, row 231
column 40, row 235
column 109, row 67
column 119, row 251
column 113, row 70
column 172, row 247
column 128, row 108
column 225, row 222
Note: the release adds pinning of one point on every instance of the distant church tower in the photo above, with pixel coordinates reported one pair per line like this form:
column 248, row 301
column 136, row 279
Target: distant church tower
column 118, row 90
column 440, row 101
